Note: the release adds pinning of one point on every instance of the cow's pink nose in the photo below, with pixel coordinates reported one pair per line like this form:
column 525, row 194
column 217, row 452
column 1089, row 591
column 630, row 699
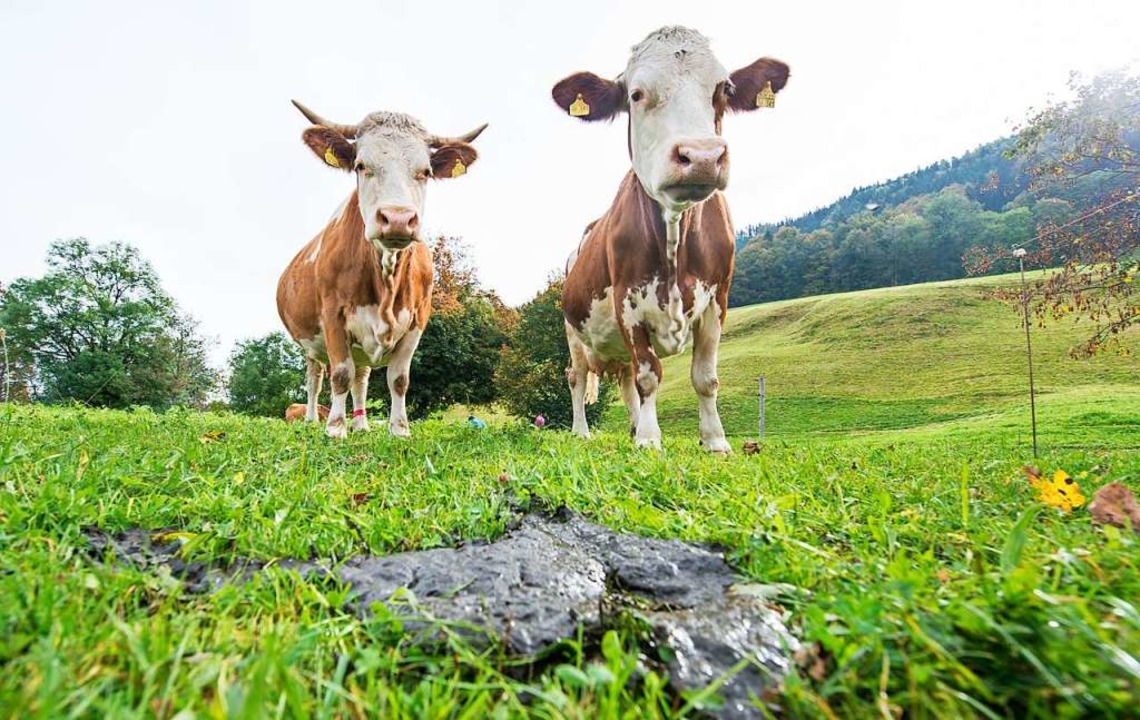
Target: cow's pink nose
column 397, row 221
column 701, row 158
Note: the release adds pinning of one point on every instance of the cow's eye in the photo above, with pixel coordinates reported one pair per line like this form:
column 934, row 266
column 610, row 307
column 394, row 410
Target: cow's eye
column 359, row 167
column 729, row 89
column 423, row 174
column 636, row 96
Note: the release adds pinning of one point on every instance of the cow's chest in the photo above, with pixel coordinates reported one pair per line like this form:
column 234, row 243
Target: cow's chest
column 668, row 323
column 373, row 334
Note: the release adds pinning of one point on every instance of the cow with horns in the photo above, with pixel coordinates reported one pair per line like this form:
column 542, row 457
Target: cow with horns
column 358, row 296
column 653, row 272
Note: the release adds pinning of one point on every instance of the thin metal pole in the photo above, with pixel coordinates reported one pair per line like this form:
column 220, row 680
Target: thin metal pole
column 761, row 437
column 1028, row 352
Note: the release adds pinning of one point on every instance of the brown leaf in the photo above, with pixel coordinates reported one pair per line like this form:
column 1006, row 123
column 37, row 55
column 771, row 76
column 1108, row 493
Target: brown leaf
column 360, row 498
column 750, row 447
column 212, row 436
column 1114, row 504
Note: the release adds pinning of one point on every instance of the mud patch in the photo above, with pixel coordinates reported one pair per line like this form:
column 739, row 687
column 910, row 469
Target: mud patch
column 546, row 580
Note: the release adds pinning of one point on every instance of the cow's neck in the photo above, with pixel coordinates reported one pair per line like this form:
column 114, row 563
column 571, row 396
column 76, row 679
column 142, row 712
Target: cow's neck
column 665, row 230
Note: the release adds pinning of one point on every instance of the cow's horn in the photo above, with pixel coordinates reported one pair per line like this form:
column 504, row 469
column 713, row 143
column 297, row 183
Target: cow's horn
column 438, row 141
column 349, row 131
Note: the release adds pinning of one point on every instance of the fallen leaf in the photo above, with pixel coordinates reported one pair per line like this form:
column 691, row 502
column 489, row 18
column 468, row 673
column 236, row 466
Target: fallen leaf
column 1114, row 504
column 750, row 447
column 1062, row 491
column 212, row 436
column 360, row 498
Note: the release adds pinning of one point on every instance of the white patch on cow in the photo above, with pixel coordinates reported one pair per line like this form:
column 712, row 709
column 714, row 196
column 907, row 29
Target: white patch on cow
column 316, row 250
column 388, row 259
column 600, row 331
column 672, row 234
column 371, row 338
column 670, row 327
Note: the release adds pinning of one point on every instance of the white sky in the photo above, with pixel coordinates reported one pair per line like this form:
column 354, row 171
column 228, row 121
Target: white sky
column 168, row 125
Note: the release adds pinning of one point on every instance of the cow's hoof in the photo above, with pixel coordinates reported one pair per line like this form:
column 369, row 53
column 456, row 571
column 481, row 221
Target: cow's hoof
column 336, row 431
column 360, row 426
column 718, row 446
column 400, row 432
column 654, row 443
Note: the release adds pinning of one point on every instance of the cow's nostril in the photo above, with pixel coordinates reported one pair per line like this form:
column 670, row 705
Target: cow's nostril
column 683, row 159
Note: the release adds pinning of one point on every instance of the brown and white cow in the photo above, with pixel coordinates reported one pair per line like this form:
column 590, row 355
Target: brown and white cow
column 653, row 272
column 358, row 296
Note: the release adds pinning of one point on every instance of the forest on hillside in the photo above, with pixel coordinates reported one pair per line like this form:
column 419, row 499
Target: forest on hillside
column 914, row 228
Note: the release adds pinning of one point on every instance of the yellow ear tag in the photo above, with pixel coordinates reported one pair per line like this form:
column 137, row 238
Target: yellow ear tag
column 766, row 98
column 459, row 169
column 330, row 158
column 579, row 108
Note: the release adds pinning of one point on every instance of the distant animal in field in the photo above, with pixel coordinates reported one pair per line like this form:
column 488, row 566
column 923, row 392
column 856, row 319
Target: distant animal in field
column 358, row 296
column 653, row 272
column 297, row 411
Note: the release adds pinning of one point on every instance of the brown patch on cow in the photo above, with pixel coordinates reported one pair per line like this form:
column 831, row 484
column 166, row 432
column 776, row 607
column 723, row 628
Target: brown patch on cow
column 400, row 385
column 325, row 142
column 749, row 81
column 1114, row 504
column 445, row 158
column 606, row 98
column 297, row 411
column 341, row 380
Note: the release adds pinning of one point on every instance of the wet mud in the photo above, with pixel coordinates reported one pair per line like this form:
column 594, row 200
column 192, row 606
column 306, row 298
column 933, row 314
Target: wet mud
column 552, row 577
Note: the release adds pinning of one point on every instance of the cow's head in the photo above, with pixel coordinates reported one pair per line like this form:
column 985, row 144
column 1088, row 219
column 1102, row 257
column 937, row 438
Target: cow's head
column 676, row 93
column 392, row 156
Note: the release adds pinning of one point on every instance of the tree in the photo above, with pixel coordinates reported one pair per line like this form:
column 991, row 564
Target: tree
column 1086, row 151
column 531, row 376
column 99, row 329
column 267, row 375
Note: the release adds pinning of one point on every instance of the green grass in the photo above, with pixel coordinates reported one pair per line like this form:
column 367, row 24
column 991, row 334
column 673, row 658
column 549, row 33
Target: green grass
column 932, row 583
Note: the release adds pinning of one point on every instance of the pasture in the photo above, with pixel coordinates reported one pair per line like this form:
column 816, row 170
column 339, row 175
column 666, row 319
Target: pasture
column 887, row 511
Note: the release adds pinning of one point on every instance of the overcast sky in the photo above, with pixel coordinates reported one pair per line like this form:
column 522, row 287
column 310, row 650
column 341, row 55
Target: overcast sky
column 168, row 125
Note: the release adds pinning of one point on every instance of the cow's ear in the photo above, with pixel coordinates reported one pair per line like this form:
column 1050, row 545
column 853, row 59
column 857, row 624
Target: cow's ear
column 452, row 160
column 589, row 97
column 751, row 82
column 331, row 147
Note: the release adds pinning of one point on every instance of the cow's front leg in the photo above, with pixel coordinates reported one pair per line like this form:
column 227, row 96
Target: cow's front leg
column 629, row 395
column 647, row 376
column 576, row 378
column 314, row 377
column 398, row 368
column 360, row 398
column 341, row 371
column 706, row 341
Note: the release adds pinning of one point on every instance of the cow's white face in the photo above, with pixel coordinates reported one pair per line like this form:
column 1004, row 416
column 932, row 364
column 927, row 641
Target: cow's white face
column 392, row 170
column 676, row 149
column 675, row 92
column 392, row 158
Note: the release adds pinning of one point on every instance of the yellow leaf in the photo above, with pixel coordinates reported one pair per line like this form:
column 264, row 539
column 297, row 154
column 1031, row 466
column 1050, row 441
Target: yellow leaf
column 1061, row 491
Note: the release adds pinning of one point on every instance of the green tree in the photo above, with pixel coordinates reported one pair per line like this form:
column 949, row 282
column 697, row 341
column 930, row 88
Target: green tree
column 99, row 329
column 267, row 375
column 531, row 376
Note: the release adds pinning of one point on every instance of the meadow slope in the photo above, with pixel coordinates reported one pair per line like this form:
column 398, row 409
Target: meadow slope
column 890, row 359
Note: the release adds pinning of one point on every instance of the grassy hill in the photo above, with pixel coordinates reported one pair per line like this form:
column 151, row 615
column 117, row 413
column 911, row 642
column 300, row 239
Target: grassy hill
column 901, row 358
column 888, row 513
